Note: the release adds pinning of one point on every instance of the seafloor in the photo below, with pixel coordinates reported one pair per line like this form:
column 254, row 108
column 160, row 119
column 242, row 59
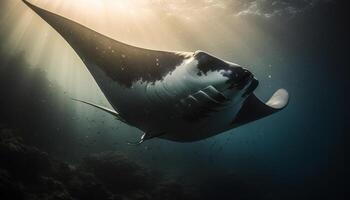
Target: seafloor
column 26, row 172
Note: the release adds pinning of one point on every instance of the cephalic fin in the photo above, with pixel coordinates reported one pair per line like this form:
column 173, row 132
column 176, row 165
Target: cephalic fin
column 110, row 111
column 254, row 109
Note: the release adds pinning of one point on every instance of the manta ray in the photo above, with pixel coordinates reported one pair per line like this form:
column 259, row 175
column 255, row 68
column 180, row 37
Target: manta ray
column 178, row 96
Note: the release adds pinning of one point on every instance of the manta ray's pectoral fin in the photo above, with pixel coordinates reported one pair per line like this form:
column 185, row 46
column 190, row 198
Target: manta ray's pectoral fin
column 123, row 63
column 110, row 111
column 145, row 137
column 253, row 108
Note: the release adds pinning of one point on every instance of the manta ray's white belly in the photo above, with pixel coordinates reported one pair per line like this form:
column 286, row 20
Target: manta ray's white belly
column 167, row 98
column 156, row 107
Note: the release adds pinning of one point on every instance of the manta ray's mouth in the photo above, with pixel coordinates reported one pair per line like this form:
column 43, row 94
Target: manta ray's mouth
column 242, row 82
column 253, row 85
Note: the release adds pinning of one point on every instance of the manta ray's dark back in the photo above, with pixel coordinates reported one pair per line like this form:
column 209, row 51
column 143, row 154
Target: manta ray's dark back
column 123, row 63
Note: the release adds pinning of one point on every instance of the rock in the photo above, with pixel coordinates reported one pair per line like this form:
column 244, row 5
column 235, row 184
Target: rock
column 48, row 188
column 9, row 189
column 24, row 162
column 25, row 172
column 85, row 186
column 28, row 173
column 118, row 172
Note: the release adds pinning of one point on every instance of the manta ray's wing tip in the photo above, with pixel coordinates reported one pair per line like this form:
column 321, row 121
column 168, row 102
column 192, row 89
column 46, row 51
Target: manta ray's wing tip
column 279, row 99
column 28, row 3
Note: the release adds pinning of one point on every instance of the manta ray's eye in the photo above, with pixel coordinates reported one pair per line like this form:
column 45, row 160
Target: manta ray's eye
column 200, row 55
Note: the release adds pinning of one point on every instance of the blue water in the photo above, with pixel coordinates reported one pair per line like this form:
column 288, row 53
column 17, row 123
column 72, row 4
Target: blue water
column 297, row 153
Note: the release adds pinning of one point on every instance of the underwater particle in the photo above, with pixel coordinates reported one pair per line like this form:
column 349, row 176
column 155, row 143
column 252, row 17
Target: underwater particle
column 270, row 76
